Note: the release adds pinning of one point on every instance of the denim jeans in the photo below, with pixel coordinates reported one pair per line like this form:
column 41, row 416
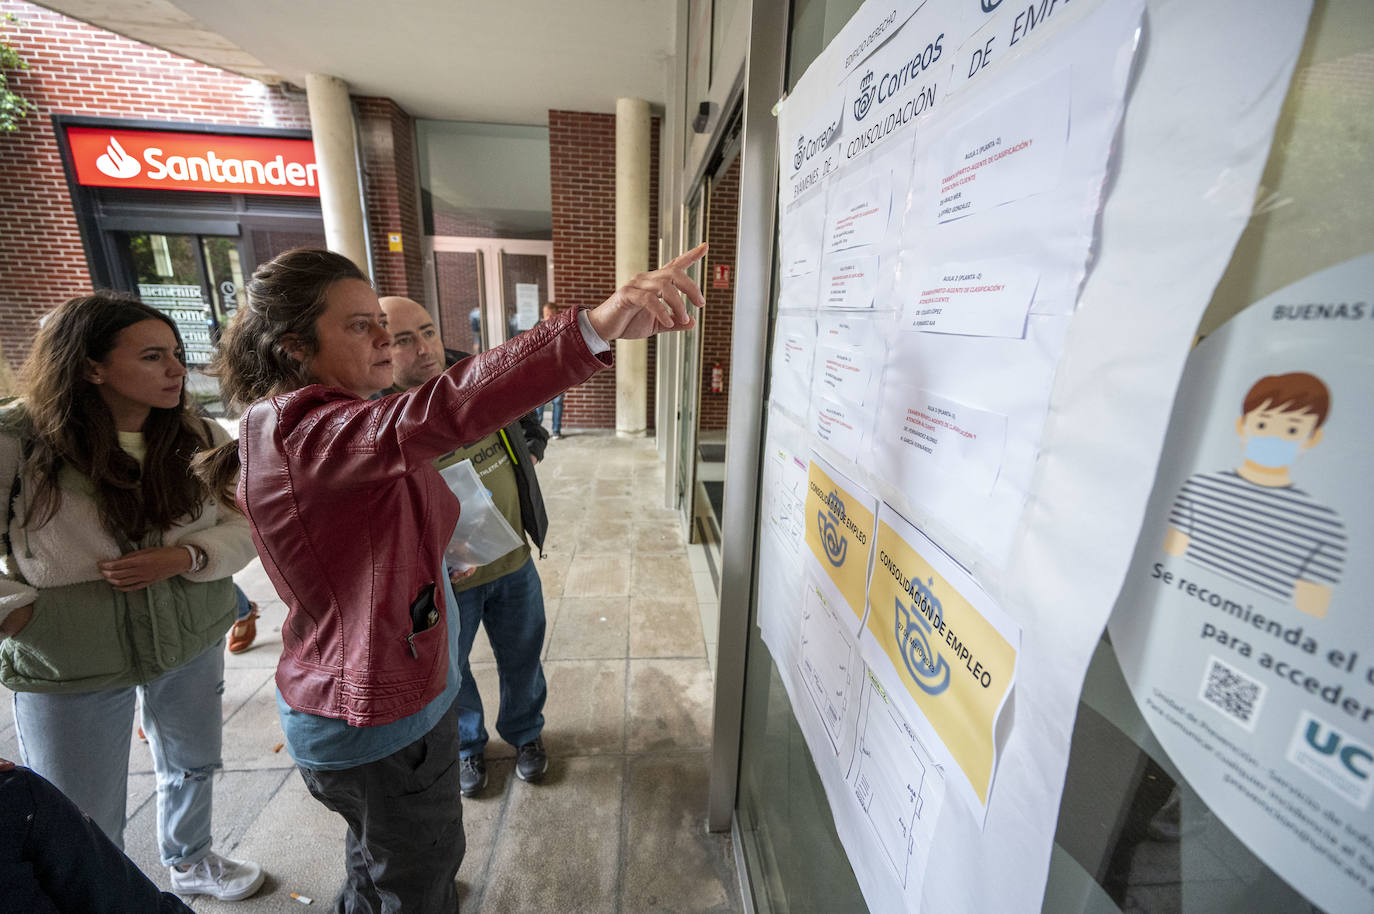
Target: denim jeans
column 557, row 403
column 80, row 742
column 54, row 859
column 511, row 608
column 244, row 605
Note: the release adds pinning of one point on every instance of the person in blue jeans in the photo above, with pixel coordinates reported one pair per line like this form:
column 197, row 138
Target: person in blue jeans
column 118, row 581
column 550, row 312
column 504, row 596
column 55, row 860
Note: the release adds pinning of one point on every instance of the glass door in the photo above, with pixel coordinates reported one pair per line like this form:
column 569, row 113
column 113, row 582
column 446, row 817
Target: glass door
column 196, row 280
column 690, row 372
column 488, row 289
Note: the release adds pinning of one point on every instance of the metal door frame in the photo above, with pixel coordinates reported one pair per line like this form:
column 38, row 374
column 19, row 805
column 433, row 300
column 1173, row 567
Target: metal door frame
column 489, row 251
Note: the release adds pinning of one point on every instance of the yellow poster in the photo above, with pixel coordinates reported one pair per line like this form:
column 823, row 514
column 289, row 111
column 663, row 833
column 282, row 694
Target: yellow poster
column 951, row 648
column 839, row 529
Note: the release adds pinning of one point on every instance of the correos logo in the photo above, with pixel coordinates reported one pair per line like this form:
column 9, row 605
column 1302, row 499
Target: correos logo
column 116, row 163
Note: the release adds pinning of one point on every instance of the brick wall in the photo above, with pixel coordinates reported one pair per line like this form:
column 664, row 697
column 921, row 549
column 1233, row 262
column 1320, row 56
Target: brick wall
column 582, row 182
column 389, row 181
column 718, row 321
column 76, row 68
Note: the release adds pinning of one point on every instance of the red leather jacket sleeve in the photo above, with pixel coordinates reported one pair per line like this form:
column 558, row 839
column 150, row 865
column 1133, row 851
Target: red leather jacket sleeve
column 377, row 439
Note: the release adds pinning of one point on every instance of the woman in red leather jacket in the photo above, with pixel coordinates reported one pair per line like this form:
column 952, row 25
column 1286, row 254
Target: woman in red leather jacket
column 351, row 519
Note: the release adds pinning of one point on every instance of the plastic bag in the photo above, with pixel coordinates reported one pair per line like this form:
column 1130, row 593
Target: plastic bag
column 483, row 535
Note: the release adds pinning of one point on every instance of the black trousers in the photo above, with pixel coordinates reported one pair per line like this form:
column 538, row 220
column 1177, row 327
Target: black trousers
column 405, row 826
column 54, row 859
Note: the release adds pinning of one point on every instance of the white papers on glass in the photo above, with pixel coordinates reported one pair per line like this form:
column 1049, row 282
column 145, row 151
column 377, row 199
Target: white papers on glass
column 987, row 298
column 901, row 83
column 794, row 350
column 1013, row 150
column 987, row 377
column 840, row 425
column 857, row 211
column 849, row 280
column 826, row 655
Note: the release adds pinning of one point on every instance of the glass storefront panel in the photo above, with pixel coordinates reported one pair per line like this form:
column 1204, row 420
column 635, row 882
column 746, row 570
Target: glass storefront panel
column 524, row 289
column 794, row 860
column 484, row 180
column 458, row 276
column 1132, row 834
column 225, row 275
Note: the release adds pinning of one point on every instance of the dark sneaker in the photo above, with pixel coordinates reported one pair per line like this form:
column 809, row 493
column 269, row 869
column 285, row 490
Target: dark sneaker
column 531, row 761
column 472, row 774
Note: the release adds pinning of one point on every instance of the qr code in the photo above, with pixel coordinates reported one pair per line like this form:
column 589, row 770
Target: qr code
column 1232, row 693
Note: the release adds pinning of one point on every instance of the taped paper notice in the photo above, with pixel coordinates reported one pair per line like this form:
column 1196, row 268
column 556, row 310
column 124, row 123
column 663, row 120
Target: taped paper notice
column 839, row 531
column 1015, row 149
column 839, row 425
column 850, row 280
column 845, row 373
column 897, row 784
column 801, row 238
column 826, row 654
column 901, row 82
column 974, row 299
column 945, row 648
column 957, row 440
column 858, row 211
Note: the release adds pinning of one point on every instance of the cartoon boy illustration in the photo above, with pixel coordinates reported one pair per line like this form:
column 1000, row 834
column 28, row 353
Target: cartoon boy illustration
column 1252, row 524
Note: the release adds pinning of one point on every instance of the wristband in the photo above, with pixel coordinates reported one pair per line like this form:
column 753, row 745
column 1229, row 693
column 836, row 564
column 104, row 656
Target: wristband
column 198, row 557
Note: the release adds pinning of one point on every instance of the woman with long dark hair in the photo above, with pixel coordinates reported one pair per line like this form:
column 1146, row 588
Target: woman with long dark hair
column 119, row 561
column 351, row 520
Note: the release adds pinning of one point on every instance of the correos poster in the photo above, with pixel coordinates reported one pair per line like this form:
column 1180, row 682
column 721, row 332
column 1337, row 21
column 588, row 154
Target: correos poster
column 1244, row 627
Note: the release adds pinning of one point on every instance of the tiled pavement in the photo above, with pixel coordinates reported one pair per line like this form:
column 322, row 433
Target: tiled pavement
column 618, row 825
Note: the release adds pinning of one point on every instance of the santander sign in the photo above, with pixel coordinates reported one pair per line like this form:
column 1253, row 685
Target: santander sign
column 166, row 160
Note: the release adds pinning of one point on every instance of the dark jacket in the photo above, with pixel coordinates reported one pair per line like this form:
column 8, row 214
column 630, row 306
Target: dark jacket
column 350, row 518
column 524, row 437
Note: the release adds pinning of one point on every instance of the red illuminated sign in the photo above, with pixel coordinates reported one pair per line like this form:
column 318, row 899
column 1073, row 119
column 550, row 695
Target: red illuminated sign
column 163, row 160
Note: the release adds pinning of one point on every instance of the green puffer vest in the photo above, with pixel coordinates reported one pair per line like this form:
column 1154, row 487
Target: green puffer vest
column 89, row 636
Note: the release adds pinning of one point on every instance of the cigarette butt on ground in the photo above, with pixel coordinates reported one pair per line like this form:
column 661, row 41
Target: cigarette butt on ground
column 277, row 748
column 302, row 899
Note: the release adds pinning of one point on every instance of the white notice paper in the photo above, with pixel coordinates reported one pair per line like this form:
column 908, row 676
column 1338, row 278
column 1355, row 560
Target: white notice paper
column 839, row 425
column 989, row 298
column 902, row 81
column 858, row 210
column 1012, row 150
column 826, row 653
column 526, row 305
column 849, row 280
column 844, row 373
column 897, row 785
column 801, row 237
column 955, row 439
column 794, row 346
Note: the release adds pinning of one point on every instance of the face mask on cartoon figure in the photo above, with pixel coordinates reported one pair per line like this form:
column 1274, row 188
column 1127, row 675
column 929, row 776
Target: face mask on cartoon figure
column 1272, row 451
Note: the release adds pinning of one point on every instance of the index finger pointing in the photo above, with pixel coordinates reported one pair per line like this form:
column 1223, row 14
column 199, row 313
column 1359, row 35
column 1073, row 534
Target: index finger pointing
column 682, row 261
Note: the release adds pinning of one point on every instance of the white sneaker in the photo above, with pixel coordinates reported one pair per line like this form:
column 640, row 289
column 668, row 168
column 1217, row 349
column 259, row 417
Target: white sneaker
column 225, row 879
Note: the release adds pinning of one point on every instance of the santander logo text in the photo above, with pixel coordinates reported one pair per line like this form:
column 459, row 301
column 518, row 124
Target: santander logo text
column 116, row 162
column 169, row 160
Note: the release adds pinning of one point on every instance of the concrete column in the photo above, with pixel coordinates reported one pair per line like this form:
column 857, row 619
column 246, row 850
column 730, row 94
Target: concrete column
column 632, row 137
column 331, row 125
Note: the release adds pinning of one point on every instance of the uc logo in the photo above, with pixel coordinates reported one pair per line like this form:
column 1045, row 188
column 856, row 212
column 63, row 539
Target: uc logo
column 799, row 158
column 836, row 544
column 990, row 5
column 865, row 100
column 929, row 670
column 1330, row 745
